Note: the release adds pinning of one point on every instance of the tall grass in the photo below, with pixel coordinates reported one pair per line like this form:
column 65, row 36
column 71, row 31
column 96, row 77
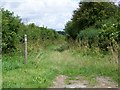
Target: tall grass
column 47, row 63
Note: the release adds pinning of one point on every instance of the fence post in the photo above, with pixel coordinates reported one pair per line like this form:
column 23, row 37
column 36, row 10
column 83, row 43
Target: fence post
column 25, row 49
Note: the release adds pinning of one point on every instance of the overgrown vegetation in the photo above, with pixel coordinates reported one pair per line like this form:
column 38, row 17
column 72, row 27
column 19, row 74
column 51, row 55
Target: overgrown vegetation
column 43, row 66
column 88, row 47
column 96, row 25
column 13, row 31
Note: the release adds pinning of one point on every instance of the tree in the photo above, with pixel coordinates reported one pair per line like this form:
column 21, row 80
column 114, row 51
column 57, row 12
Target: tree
column 87, row 15
column 10, row 27
column 69, row 29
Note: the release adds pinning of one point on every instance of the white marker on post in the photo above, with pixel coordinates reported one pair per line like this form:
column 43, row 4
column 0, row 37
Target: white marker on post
column 25, row 61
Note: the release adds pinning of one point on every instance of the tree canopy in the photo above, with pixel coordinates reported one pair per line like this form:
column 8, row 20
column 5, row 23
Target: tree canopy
column 88, row 14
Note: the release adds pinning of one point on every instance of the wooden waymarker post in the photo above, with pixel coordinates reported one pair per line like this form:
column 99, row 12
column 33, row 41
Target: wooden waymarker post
column 25, row 42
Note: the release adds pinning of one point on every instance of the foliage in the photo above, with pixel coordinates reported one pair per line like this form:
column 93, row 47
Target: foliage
column 70, row 31
column 61, row 32
column 89, row 36
column 88, row 14
column 10, row 27
column 95, row 21
column 36, row 33
column 108, row 35
column 44, row 64
column 13, row 31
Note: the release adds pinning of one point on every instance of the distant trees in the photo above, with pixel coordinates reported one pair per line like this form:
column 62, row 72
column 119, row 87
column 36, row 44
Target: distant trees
column 61, row 32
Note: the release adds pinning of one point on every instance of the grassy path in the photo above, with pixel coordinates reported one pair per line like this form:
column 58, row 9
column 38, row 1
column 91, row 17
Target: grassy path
column 44, row 66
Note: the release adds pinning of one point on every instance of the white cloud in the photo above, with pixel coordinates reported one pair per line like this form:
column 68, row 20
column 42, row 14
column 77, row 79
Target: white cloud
column 51, row 13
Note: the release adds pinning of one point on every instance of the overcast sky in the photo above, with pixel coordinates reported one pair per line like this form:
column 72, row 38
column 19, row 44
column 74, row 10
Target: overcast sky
column 51, row 13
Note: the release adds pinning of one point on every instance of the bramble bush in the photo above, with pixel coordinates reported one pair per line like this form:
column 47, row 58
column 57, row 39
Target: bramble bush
column 13, row 31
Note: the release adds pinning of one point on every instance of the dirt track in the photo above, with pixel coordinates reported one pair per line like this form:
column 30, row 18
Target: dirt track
column 63, row 81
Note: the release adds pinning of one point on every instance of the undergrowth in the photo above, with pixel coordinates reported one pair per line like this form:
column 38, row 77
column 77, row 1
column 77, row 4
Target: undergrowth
column 47, row 63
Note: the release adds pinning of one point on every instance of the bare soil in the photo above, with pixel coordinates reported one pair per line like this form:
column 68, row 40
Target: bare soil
column 63, row 81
